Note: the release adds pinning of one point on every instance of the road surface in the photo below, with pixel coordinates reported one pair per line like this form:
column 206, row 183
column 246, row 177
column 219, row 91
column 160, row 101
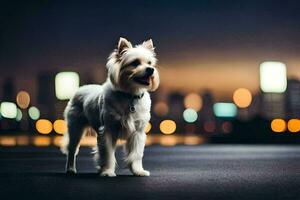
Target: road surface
column 178, row 172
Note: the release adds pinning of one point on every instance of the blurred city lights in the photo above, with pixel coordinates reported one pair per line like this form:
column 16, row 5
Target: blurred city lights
column 148, row 141
column 34, row 113
column 225, row 109
column 60, row 126
column 43, row 126
column 278, row 125
column 8, row 110
column 41, row 141
column 148, row 127
column 161, row 108
column 293, row 125
column 194, row 101
column 23, row 99
column 226, row 127
column 19, row 115
column 22, row 140
column 167, row 127
column 89, row 141
column 168, row 140
column 66, row 84
column 242, row 97
column 190, row 115
column 273, row 77
column 8, row 141
column 192, row 140
column 57, row 141
column 209, row 126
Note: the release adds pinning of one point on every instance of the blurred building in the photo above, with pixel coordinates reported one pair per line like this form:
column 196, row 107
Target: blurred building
column 272, row 105
column 207, row 113
column 293, row 98
column 9, row 91
column 46, row 94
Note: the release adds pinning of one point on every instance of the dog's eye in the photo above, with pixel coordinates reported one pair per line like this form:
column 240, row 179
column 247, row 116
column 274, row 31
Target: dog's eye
column 135, row 63
column 149, row 62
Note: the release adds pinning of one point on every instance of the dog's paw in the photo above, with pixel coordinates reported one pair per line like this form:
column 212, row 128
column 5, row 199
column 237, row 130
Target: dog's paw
column 141, row 173
column 108, row 173
column 71, row 171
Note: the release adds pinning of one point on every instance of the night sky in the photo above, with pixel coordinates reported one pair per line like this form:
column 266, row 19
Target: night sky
column 203, row 40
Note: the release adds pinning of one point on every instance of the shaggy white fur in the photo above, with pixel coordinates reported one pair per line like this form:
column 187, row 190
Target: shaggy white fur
column 118, row 109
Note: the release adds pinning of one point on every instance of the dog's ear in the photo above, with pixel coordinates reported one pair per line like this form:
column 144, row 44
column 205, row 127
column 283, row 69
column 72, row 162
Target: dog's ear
column 148, row 44
column 123, row 44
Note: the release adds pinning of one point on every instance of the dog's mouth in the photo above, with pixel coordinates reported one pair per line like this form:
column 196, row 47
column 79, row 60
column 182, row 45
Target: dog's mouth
column 143, row 80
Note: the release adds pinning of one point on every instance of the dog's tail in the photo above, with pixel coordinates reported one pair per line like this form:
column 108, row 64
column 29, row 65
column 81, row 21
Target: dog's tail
column 64, row 143
column 66, row 138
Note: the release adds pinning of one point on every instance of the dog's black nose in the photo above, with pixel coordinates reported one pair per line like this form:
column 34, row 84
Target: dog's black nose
column 149, row 71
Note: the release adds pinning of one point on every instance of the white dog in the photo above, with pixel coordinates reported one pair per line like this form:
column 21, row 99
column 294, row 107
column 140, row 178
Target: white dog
column 118, row 109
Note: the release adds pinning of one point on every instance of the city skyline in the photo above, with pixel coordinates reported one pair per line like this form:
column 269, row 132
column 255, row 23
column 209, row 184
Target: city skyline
column 189, row 38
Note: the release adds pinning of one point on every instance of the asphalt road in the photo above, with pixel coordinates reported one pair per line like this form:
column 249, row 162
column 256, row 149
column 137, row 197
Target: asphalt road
column 180, row 172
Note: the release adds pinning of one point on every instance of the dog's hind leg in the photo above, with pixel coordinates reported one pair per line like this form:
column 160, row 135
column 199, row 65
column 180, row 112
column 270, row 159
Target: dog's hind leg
column 75, row 133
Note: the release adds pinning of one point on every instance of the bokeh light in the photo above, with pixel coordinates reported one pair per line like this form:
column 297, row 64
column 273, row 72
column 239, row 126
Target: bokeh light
column 22, row 140
column 161, row 108
column 293, row 125
column 168, row 140
column 209, row 126
column 226, row 127
column 278, row 125
column 8, row 141
column 192, row 140
column 194, row 101
column 8, row 110
column 60, row 126
column 34, row 113
column 167, row 127
column 148, row 127
column 41, row 141
column 190, row 115
column 43, row 126
column 66, row 85
column 19, row 115
column 242, row 97
column 23, row 99
column 225, row 109
column 273, row 77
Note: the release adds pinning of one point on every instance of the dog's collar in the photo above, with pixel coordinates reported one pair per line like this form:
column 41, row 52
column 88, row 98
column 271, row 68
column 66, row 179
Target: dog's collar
column 138, row 96
column 133, row 98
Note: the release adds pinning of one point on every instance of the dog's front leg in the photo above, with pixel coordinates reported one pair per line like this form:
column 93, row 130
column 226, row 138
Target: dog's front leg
column 106, row 148
column 135, row 147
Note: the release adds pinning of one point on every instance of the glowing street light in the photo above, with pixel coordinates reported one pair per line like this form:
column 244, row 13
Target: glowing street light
column 66, row 84
column 60, row 126
column 19, row 115
column 167, row 126
column 293, row 125
column 34, row 113
column 273, row 77
column 194, row 101
column 225, row 109
column 43, row 126
column 23, row 99
column 8, row 110
column 242, row 97
column 190, row 115
column 278, row 125
column 148, row 127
